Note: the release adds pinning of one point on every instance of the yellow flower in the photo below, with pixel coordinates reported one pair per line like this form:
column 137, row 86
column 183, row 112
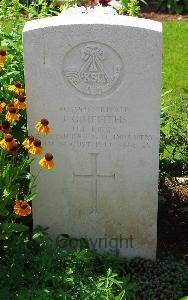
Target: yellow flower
column 27, row 141
column 8, row 142
column 12, row 113
column 16, row 88
column 43, row 127
column 20, row 103
column 2, row 56
column 22, row 208
column 2, row 105
column 35, row 147
column 47, row 161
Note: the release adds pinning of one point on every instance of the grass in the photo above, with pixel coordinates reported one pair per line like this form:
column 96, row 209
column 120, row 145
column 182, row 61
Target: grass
column 174, row 96
column 175, row 62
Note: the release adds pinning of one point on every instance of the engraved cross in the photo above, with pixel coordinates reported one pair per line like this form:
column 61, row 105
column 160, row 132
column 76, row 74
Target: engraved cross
column 95, row 177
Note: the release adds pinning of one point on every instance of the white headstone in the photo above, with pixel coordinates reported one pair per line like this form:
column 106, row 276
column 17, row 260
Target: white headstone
column 97, row 81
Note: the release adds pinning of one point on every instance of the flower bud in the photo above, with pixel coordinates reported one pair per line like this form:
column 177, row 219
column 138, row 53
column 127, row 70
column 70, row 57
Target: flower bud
column 48, row 156
column 21, row 98
column 18, row 84
column 44, row 122
column 8, row 138
column 2, row 52
column 37, row 143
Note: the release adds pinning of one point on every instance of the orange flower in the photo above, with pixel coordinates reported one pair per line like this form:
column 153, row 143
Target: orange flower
column 27, row 142
column 47, row 161
column 8, row 142
column 35, row 147
column 2, row 56
column 12, row 113
column 20, row 103
column 22, row 208
column 2, row 105
column 43, row 127
column 16, row 88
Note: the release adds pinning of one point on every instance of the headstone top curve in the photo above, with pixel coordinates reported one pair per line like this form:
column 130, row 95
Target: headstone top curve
column 84, row 19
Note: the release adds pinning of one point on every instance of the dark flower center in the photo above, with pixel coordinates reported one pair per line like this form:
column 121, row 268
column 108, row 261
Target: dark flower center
column 48, row 156
column 12, row 110
column 18, row 84
column 37, row 143
column 11, row 104
column 23, row 205
column 44, row 122
column 2, row 52
column 8, row 138
column 21, row 98
column 6, row 125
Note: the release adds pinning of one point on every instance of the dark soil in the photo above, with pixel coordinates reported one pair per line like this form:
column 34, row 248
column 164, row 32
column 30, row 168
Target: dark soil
column 152, row 11
column 173, row 220
column 158, row 16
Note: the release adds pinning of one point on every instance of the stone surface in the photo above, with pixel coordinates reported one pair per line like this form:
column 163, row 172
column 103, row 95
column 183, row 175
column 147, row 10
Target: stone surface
column 97, row 80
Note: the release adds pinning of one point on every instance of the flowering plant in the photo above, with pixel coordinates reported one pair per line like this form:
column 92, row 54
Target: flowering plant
column 16, row 182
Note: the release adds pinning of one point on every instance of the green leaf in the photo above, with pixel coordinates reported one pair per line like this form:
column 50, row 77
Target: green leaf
column 143, row 1
column 37, row 235
column 120, row 296
column 30, row 197
column 3, row 211
column 12, row 227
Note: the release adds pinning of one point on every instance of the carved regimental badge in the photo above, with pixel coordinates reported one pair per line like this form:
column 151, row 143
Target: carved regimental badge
column 93, row 68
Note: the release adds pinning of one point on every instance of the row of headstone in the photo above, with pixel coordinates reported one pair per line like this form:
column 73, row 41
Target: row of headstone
column 97, row 81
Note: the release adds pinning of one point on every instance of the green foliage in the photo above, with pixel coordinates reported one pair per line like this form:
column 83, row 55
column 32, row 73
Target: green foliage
column 44, row 8
column 173, row 144
column 13, row 182
column 173, row 6
column 15, row 177
column 16, row 182
column 11, row 40
column 32, row 269
column 174, row 99
column 40, row 9
column 131, row 7
column 175, row 64
column 27, row 9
